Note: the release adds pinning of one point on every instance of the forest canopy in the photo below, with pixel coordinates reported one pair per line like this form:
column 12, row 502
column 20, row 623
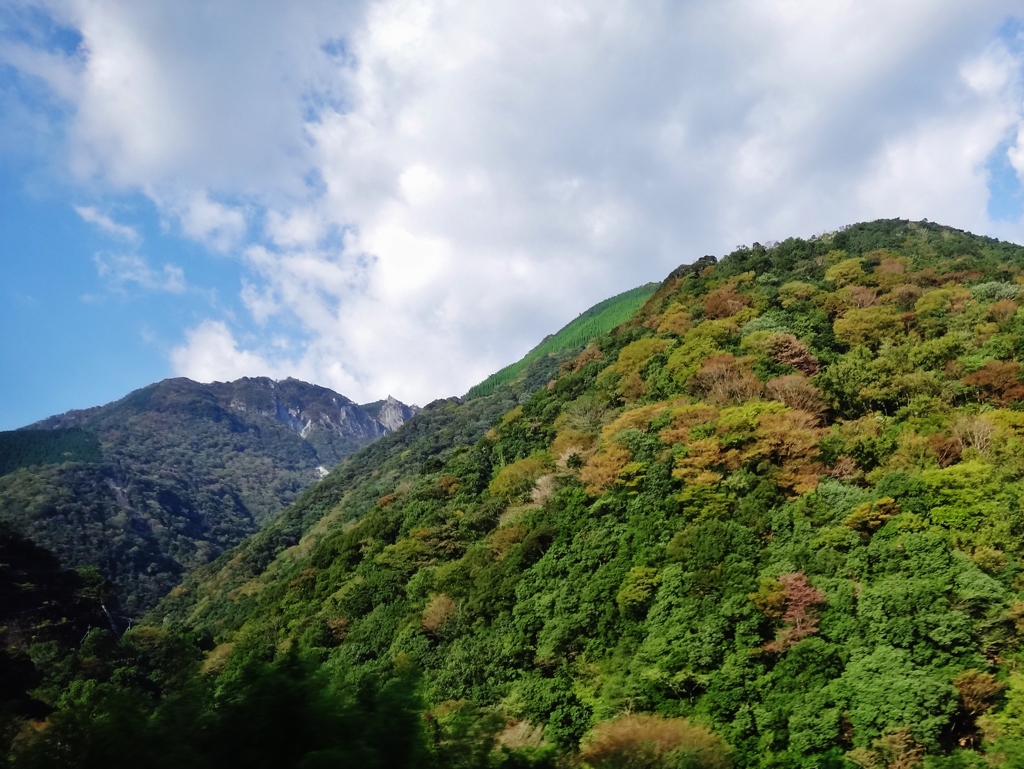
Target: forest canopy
column 776, row 519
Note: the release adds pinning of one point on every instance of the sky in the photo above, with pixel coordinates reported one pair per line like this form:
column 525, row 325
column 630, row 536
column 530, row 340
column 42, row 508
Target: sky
column 402, row 196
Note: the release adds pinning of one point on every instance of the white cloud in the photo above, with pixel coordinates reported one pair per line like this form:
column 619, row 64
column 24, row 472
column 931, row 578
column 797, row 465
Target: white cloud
column 463, row 178
column 1016, row 153
column 302, row 228
column 214, row 224
column 211, row 354
column 121, row 231
column 120, row 270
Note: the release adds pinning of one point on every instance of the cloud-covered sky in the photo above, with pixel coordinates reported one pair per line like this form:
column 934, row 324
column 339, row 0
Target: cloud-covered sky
column 402, row 196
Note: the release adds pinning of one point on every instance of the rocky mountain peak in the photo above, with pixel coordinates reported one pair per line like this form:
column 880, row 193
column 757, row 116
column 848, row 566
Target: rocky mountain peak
column 178, row 471
column 393, row 413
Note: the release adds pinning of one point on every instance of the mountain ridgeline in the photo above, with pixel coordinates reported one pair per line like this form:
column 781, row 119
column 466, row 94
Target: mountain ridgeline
column 775, row 519
column 168, row 477
column 595, row 322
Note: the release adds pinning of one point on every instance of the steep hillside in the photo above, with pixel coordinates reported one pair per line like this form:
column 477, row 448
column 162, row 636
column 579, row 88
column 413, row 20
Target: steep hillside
column 25, row 448
column 44, row 607
column 598, row 320
column 171, row 475
column 775, row 520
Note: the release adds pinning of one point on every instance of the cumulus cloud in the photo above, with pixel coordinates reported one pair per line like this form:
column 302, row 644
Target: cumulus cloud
column 211, row 354
column 419, row 191
column 214, row 224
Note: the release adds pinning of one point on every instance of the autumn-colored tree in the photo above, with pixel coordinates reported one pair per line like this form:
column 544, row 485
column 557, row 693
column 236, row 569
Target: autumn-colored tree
column 847, row 271
column 675, row 320
column 937, row 301
column 795, row 291
column 845, row 467
column 448, row 485
column 725, row 302
column 798, row 393
column 503, row 539
column 590, row 354
column 906, row 296
column 800, row 618
column 978, row 690
column 899, row 749
column 678, row 430
column 570, row 442
column 868, row 326
column 439, row 610
column 516, row 480
column 861, row 296
column 789, row 441
column 602, row 470
column 790, row 351
column 947, row 450
column 705, row 462
column 626, row 371
column 770, row 598
column 724, row 379
column 890, row 272
column 871, row 516
column 998, row 381
column 1002, row 311
column 697, row 346
column 1015, row 614
column 640, row 741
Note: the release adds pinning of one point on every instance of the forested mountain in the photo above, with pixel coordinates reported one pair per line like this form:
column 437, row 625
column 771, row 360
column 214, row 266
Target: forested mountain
column 773, row 520
column 168, row 477
column 588, row 325
column 43, row 607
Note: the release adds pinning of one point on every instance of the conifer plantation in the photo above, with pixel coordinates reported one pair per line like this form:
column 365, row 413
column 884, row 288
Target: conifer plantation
column 775, row 518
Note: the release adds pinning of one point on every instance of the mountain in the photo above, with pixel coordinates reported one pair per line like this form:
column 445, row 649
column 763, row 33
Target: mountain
column 390, row 413
column 41, row 605
column 588, row 325
column 772, row 520
column 168, row 477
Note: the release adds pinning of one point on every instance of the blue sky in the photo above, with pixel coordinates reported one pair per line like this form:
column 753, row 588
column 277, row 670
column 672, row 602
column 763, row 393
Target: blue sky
column 398, row 197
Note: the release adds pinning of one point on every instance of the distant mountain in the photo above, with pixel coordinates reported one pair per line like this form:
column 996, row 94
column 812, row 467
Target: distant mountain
column 168, row 477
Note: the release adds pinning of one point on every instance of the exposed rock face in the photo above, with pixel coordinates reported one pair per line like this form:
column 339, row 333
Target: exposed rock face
column 393, row 414
column 334, row 425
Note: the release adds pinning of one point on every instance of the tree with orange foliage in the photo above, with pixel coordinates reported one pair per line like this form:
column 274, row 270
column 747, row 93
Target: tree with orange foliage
column 790, row 351
column 1002, row 311
column 652, row 742
column 998, row 381
column 798, row 393
column 978, row 690
column 725, row 302
column 724, row 379
column 789, row 441
column 602, row 470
